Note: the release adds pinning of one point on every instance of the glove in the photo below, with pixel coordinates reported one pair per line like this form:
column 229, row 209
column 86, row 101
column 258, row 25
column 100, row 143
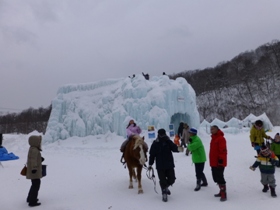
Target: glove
column 42, row 159
column 252, row 168
column 220, row 162
column 253, row 144
column 150, row 168
column 34, row 171
column 273, row 162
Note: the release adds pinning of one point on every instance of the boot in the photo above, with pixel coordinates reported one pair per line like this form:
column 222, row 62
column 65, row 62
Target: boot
column 265, row 188
column 223, row 192
column 204, row 181
column 198, row 185
column 218, row 194
column 34, row 204
column 164, row 195
column 272, row 191
column 168, row 191
column 187, row 152
column 28, row 201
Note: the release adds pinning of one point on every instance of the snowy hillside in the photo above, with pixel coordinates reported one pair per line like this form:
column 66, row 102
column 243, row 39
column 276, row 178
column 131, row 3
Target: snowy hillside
column 85, row 173
column 107, row 106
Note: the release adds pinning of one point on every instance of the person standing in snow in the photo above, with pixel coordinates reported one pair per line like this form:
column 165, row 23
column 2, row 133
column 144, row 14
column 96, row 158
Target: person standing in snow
column 34, row 169
column 218, row 160
column 257, row 135
column 147, row 76
column 161, row 152
column 185, row 137
column 180, row 130
column 131, row 129
column 1, row 140
column 198, row 157
column 266, row 161
column 275, row 147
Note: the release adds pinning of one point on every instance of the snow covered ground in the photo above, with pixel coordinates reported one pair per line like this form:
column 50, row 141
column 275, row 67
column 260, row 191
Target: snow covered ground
column 85, row 174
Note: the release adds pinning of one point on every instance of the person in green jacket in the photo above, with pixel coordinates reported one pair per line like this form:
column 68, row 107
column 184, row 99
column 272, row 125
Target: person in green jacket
column 257, row 135
column 275, row 147
column 198, row 157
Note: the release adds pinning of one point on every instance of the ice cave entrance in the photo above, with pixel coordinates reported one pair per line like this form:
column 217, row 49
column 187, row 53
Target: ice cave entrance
column 179, row 117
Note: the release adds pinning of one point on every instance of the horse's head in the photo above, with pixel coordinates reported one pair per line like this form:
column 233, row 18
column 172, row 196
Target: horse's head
column 139, row 149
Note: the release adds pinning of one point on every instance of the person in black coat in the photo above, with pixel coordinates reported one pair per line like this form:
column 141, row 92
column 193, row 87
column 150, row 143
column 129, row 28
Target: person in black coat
column 147, row 76
column 161, row 151
column 1, row 139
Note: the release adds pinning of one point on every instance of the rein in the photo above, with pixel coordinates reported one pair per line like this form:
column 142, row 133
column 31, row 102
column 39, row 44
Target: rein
column 151, row 175
column 122, row 160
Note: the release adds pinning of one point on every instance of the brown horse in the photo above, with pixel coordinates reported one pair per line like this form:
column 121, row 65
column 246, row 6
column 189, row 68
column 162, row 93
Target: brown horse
column 135, row 155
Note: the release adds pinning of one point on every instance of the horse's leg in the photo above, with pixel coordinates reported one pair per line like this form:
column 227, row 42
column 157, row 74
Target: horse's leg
column 139, row 171
column 130, row 170
column 134, row 175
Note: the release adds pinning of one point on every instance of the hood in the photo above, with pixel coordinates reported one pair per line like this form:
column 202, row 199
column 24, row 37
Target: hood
column 219, row 133
column 35, row 141
column 163, row 138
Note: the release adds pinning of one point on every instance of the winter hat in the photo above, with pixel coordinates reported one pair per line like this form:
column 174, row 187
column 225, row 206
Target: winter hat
column 193, row 131
column 277, row 137
column 259, row 123
column 265, row 151
column 161, row 132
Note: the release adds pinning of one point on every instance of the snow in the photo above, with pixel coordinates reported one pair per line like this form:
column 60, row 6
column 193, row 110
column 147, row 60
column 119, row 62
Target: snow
column 96, row 108
column 85, row 173
column 235, row 125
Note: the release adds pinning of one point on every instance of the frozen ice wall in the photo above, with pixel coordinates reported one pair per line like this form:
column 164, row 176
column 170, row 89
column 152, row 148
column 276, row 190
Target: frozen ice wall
column 107, row 106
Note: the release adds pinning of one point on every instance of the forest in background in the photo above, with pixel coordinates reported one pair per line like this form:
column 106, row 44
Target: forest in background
column 26, row 121
column 249, row 83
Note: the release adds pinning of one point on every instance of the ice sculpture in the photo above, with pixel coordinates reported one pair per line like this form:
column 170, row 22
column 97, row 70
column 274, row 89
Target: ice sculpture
column 107, row 106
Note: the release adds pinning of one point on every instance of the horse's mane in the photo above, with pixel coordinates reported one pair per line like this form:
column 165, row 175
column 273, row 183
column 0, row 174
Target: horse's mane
column 138, row 140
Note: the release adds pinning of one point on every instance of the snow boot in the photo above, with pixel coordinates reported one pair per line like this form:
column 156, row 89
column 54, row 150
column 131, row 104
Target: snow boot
column 204, row 181
column 164, row 195
column 168, row 191
column 34, row 204
column 265, row 188
column 218, row 194
column 187, row 152
column 198, row 185
column 223, row 192
column 272, row 191
column 28, row 201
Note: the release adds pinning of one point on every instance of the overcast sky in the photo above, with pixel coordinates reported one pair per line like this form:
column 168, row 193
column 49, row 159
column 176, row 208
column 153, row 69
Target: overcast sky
column 48, row 43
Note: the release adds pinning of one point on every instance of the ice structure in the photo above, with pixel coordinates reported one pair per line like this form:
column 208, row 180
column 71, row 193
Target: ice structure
column 235, row 125
column 107, row 106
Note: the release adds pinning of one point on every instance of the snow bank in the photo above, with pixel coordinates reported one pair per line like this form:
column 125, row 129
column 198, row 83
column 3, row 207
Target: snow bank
column 235, row 125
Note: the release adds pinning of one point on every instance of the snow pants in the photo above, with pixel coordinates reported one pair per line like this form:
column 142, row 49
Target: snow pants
column 166, row 177
column 218, row 175
column 268, row 179
column 34, row 189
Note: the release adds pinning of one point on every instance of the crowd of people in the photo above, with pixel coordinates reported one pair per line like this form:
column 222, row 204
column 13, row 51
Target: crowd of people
column 162, row 148
column 161, row 153
column 268, row 155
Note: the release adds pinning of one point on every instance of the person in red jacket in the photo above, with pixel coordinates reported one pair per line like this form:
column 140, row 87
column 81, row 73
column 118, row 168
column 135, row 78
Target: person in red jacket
column 218, row 160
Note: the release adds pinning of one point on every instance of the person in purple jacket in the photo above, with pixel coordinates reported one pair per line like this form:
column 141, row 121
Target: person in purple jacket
column 131, row 129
